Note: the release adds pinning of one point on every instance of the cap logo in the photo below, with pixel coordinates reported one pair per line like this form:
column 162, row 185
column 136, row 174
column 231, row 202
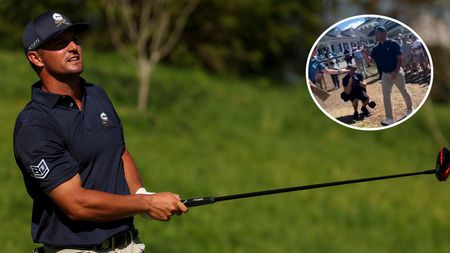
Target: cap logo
column 59, row 19
column 33, row 45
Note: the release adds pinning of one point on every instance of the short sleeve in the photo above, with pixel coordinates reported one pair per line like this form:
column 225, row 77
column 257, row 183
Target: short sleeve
column 372, row 54
column 42, row 157
column 397, row 49
column 321, row 66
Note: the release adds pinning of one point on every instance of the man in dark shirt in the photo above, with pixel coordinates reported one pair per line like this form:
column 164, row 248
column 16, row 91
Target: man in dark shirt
column 388, row 57
column 354, row 90
column 69, row 146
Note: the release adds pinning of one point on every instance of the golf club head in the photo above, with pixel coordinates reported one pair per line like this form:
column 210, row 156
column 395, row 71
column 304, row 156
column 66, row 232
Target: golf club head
column 443, row 164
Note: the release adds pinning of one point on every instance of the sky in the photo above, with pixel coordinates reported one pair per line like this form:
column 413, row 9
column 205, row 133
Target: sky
column 354, row 22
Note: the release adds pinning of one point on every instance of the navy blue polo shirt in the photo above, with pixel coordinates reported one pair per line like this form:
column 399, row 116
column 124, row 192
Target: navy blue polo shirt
column 54, row 141
column 385, row 55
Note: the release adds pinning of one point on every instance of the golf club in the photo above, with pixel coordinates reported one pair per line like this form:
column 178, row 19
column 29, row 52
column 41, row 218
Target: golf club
column 441, row 171
column 331, row 58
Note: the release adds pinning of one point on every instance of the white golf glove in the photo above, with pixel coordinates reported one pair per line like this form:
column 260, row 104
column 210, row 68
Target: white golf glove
column 142, row 190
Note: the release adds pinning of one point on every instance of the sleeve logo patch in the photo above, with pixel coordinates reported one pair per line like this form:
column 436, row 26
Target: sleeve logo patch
column 41, row 170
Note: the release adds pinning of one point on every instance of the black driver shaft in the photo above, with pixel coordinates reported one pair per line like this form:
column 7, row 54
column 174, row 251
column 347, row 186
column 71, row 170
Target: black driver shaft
column 210, row 200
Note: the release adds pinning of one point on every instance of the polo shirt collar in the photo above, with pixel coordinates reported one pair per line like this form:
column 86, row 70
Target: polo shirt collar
column 387, row 41
column 46, row 98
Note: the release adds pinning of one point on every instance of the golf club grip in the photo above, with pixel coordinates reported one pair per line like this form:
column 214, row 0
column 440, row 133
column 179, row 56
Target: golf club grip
column 198, row 201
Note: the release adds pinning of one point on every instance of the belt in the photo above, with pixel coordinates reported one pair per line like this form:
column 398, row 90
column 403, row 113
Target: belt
column 117, row 241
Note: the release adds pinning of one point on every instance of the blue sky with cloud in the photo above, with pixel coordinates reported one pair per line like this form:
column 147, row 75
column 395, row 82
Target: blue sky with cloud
column 352, row 23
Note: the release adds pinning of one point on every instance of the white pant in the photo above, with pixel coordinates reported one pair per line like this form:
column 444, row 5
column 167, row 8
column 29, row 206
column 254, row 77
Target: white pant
column 386, row 85
column 133, row 247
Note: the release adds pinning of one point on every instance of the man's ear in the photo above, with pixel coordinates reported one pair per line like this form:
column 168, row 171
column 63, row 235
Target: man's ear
column 35, row 58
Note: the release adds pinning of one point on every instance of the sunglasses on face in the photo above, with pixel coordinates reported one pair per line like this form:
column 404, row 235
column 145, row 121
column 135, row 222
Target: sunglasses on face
column 61, row 41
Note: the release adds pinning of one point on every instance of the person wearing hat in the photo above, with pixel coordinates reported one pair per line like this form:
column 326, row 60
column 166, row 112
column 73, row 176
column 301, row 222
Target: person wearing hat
column 332, row 64
column 388, row 57
column 69, row 145
column 354, row 90
column 317, row 68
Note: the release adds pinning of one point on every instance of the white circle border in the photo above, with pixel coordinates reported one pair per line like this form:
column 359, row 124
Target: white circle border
column 369, row 128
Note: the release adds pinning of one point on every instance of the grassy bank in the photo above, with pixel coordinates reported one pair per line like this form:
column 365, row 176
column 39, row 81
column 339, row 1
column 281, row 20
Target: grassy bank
column 208, row 135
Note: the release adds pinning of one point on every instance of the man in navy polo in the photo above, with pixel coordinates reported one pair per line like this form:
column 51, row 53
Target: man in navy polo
column 388, row 57
column 70, row 148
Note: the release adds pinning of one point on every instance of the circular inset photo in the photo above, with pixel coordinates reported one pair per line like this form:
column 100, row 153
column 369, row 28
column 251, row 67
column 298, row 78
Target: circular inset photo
column 369, row 72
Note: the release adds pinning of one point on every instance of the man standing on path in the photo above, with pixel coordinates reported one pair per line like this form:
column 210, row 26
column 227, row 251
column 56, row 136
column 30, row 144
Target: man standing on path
column 388, row 57
column 70, row 148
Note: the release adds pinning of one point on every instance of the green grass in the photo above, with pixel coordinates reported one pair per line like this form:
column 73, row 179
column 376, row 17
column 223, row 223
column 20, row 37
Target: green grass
column 207, row 135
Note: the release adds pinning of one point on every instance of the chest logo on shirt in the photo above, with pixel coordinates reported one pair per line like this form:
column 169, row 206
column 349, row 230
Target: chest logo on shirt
column 41, row 170
column 106, row 122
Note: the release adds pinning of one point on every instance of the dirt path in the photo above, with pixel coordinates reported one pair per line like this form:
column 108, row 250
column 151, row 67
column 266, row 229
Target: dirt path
column 417, row 86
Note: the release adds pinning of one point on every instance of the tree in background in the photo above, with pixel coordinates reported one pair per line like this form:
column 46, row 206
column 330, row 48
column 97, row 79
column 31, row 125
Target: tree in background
column 16, row 14
column 239, row 37
column 145, row 32
column 249, row 37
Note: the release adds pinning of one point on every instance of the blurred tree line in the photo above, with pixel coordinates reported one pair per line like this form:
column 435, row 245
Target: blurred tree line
column 249, row 36
column 16, row 14
column 239, row 37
